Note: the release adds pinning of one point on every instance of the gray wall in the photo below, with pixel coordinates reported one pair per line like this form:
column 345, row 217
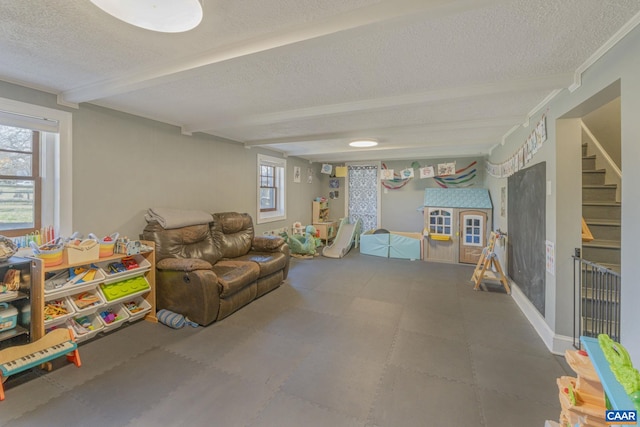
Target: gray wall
column 599, row 86
column 124, row 164
column 604, row 123
column 399, row 208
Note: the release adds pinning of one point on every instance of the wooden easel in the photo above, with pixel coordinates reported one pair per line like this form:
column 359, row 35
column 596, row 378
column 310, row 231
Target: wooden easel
column 484, row 269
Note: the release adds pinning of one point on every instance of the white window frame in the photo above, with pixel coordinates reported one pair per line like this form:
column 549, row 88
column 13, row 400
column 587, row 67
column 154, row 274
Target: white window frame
column 464, row 230
column 443, row 225
column 57, row 198
column 280, row 182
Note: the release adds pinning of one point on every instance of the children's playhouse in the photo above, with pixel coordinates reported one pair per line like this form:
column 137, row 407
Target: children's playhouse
column 457, row 222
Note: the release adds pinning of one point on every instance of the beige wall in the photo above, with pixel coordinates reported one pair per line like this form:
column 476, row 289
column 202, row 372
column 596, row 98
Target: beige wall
column 123, row 165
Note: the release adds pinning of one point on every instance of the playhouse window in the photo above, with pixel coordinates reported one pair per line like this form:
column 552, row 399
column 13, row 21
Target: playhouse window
column 440, row 221
column 473, row 230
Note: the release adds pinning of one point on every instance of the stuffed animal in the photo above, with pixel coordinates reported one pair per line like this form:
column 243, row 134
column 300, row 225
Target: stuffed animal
column 304, row 245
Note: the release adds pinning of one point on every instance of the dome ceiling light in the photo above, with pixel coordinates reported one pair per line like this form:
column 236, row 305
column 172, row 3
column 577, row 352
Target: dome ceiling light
column 166, row 16
column 363, row 143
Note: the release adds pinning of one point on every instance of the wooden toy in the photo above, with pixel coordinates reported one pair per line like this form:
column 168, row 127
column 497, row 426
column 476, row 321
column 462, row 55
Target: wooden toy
column 489, row 260
column 56, row 343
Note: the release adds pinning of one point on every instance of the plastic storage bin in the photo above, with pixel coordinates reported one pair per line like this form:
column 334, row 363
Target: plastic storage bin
column 137, row 308
column 85, row 327
column 87, row 301
column 57, row 310
column 113, row 317
column 62, row 284
column 116, row 270
column 130, row 287
column 8, row 316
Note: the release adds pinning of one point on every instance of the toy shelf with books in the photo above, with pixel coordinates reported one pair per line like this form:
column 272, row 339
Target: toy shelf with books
column 326, row 228
column 98, row 296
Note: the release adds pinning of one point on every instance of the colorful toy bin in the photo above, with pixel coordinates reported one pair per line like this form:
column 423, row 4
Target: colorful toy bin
column 107, row 244
column 50, row 253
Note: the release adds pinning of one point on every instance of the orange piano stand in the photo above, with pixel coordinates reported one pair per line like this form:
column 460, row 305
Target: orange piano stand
column 57, row 343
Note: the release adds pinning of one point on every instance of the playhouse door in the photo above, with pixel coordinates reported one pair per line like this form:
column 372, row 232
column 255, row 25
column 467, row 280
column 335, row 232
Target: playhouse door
column 473, row 232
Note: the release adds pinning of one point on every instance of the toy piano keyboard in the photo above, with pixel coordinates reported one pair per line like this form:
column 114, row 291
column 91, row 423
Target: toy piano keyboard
column 56, row 343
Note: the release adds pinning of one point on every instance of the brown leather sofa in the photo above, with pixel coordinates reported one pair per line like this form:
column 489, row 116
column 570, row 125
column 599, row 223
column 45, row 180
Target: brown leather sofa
column 208, row 271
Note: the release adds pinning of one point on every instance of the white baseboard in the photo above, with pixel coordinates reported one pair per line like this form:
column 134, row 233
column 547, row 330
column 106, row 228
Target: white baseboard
column 557, row 344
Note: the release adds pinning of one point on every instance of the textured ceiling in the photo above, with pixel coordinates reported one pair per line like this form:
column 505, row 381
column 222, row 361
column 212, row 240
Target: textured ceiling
column 427, row 78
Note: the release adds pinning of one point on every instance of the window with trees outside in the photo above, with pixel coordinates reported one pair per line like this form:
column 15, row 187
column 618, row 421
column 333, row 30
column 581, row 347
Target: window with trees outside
column 268, row 189
column 35, row 168
column 271, row 189
column 19, row 180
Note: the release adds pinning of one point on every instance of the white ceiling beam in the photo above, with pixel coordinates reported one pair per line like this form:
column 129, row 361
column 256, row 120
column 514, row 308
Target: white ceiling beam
column 538, row 83
column 403, row 154
column 499, row 122
column 171, row 71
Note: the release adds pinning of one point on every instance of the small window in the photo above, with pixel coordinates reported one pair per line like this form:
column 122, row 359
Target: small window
column 19, row 180
column 271, row 189
column 440, row 221
column 473, row 230
column 268, row 189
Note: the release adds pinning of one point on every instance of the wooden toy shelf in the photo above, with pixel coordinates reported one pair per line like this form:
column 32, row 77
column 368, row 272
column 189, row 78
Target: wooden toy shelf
column 39, row 276
column 327, row 229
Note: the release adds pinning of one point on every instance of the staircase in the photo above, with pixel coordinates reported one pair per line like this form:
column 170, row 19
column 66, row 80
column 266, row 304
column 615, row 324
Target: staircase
column 597, row 284
column 602, row 214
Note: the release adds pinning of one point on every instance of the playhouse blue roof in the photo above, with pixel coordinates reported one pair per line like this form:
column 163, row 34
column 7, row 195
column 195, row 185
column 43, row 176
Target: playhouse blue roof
column 467, row 198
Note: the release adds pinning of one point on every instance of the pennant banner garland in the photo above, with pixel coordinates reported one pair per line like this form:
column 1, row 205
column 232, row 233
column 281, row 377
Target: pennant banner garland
column 427, row 172
column 386, row 174
column 393, row 181
column 406, row 173
column 446, row 177
column 462, row 178
column 523, row 155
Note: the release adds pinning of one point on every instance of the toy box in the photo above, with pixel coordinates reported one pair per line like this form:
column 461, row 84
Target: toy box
column 87, row 301
column 50, row 253
column 107, row 244
column 128, row 287
column 8, row 316
column 85, row 252
column 85, row 327
column 73, row 280
column 137, row 308
column 57, row 310
column 113, row 317
column 392, row 245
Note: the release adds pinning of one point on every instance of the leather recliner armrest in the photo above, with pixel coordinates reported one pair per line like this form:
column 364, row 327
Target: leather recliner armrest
column 183, row 264
column 267, row 243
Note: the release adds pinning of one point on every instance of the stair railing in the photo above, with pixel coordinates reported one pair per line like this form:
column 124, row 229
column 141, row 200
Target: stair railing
column 596, row 304
column 614, row 173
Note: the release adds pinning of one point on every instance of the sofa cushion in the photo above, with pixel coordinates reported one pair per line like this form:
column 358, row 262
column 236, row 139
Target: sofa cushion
column 267, row 243
column 235, row 275
column 194, row 241
column 232, row 233
column 183, row 264
column 269, row 262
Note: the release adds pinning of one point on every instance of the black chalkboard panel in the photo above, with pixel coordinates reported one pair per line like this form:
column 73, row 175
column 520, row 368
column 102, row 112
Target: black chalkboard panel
column 527, row 231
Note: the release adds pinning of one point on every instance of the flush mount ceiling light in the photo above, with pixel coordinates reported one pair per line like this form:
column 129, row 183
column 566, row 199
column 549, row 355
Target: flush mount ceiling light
column 363, row 143
column 166, row 16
